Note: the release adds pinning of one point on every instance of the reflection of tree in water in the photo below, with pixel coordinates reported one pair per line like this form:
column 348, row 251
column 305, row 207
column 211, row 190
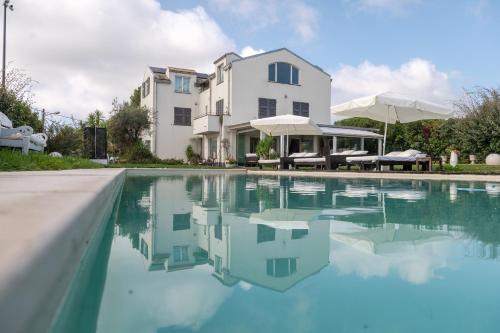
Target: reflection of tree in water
column 474, row 213
column 134, row 211
column 194, row 187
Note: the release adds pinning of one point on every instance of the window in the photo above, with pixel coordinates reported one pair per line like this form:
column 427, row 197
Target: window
column 267, row 107
column 218, row 231
column 220, row 74
column 144, row 249
column 281, row 267
column 182, row 84
column 182, row 116
column 301, row 109
column 219, row 107
column 218, row 264
column 299, row 233
column 146, row 87
column 180, row 253
column 253, row 144
column 272, row 72
column 182, row 221
column 282, row 72
column 265, row 233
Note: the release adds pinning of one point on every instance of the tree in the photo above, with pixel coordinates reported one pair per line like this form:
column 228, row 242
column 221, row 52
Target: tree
column 95, row 119
column 126, row 125
column 478, row 132
column 16, row 100
column 135, row 98
column 65, row 139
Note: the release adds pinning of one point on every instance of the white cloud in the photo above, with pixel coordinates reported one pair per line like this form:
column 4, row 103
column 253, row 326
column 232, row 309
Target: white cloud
column 305, row 20
column 85, row 53
column 248, row 51
column 392, row 6
column 260, row 14
column 417, row 77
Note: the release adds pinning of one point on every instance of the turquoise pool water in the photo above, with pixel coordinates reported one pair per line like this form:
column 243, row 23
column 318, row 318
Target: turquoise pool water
column 260, row 254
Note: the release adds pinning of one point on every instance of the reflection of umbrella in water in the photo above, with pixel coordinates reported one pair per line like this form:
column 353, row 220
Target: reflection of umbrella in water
column 283, row 218
column 392, row 238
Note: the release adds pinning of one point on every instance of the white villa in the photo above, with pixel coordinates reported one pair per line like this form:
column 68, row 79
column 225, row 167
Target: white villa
column 202, row 110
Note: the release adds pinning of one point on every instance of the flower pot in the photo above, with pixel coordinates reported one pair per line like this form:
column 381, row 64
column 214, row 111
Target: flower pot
column 472, row 159
column 453, row 158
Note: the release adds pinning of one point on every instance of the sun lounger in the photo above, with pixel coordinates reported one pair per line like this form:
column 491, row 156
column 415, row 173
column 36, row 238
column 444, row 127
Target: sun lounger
column 274, row 163
column 251, row 159
column 407, row 159
column 20, row 137
column 338, row 159
column 307, row 159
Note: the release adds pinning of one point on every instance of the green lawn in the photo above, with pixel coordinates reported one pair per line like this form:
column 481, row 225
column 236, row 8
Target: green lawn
column 14, row 161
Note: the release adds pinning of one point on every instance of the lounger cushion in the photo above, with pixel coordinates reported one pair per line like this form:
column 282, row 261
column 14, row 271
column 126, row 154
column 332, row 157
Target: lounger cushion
column 410, row 153
column 297, row 155
column 311, row 160
column 249, row 155
column 310, row 154
column 394, row 153
column 269, row 161
column 359, row 152
column 367, row 159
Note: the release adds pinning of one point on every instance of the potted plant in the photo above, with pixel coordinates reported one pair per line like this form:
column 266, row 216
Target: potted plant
column 472, row 159
column 230, row 162
column 453, row 156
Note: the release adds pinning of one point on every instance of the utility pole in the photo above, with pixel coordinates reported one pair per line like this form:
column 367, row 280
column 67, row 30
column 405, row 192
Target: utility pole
column 44, row 115
column 6, row 4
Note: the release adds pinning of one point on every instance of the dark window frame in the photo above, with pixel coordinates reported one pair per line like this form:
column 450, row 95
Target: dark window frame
column 181, row 222
column 301, row 109
column 219, row 107
column 182, row 116
column 290, row 76
column 266, row 107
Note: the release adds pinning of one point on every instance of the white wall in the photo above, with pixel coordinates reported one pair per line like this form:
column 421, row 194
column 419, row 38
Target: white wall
column 249, row 80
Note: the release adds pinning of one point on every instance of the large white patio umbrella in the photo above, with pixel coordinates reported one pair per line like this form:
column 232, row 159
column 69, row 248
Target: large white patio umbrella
column 286, row 125
column 391, row 108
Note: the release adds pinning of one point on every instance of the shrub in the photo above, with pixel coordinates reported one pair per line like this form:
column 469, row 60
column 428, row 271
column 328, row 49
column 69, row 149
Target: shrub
column 139, row 153
column 264, row 146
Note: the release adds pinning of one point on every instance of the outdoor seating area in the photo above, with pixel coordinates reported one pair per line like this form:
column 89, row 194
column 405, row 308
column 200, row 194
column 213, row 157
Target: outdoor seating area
column 21, row 137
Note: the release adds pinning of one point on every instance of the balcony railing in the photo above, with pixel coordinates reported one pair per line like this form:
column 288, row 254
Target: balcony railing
column 213, row 113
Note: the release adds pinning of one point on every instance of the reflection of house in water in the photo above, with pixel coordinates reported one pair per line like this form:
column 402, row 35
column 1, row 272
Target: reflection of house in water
column 207, row 219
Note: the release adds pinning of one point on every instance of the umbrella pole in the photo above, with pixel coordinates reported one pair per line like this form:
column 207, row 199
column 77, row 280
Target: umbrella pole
column 385, row 129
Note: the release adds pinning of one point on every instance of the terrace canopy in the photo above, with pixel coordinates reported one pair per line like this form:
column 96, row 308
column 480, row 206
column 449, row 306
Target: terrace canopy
column 391, row 108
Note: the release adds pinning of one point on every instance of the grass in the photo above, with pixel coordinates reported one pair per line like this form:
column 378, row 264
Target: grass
column 11, row 160
column 161, row 165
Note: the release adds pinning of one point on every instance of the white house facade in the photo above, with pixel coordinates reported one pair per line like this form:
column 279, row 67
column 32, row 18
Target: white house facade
column 212, row 113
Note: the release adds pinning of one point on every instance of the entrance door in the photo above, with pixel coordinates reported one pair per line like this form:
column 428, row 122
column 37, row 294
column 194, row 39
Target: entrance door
column 240, row 149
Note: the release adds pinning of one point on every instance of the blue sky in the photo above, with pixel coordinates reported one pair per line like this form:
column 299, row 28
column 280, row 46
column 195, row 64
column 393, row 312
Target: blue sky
column 85, row 53
column 460, row 37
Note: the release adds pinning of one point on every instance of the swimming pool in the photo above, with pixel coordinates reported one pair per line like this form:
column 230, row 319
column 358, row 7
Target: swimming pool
column 237, row 253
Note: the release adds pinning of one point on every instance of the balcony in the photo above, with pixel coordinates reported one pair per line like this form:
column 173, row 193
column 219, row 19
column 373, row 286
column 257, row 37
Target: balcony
column 206, row 123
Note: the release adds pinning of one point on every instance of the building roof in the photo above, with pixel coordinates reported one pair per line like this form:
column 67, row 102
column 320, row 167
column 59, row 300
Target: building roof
column 278, row 50
column 226, row 54
column 158, row 70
